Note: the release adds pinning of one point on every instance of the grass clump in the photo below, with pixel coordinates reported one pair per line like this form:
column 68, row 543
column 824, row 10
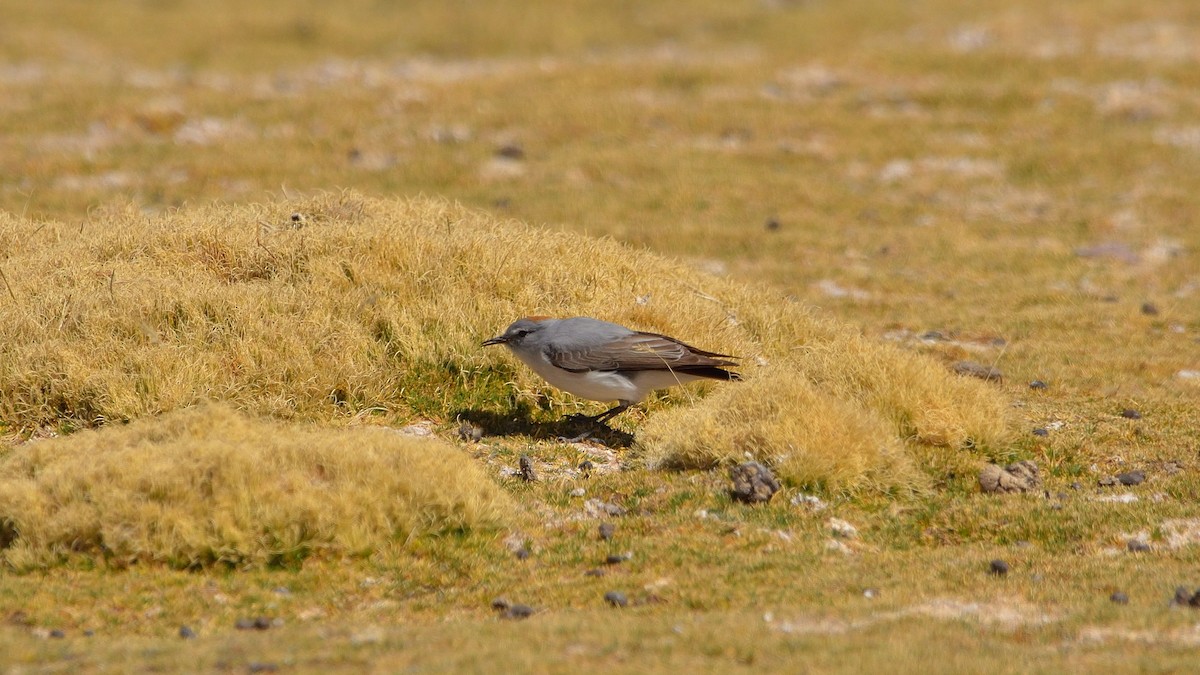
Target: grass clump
column 810, row 439
column 208, row 485
column 325, row 307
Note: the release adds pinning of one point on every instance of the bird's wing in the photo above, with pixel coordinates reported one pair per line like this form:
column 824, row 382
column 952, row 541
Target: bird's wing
column 638, row 351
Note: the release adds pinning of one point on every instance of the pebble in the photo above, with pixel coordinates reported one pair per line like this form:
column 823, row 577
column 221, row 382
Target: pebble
column 510, row 151
column 871, row 593
column 1137, row 546
column 596, row 507
column 1149, row 309
column 772, row 224
column 607, row 530
column 975, row 369
column 57, row 634
column 616, row 599
column 1119, row 598
column 260, row 623
column 842, row 529
column 522, row 553
column 1132, row 478
column 998, row 568
column 617, row 558
column 1016, row 477
column 187, row 633
column 753, row 483
column 595, row 572
column 1131, row 414
column 1182, row 596
column 518, row 612
column 578, row 492
column 527, row 472
column 263, row 667
column 470, row 432
column 1040, row 432
column 1039, row 385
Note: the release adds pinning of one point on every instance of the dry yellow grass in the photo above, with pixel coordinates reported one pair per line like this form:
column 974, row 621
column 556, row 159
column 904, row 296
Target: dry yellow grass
column 329, row 306
column 208, row 485
column 812, row 440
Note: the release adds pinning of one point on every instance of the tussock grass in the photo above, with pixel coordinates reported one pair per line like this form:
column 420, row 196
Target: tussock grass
column 208, row 485
column 812, row 440
column 324, row 307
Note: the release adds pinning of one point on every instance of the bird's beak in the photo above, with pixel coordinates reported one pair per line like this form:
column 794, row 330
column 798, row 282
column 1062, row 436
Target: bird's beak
column 498, row 340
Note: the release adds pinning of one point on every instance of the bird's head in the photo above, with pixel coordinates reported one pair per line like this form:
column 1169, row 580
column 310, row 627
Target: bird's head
column 520, row 330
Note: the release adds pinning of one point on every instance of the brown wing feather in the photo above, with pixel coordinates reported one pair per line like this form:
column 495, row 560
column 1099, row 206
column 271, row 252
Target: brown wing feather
column 640, row 351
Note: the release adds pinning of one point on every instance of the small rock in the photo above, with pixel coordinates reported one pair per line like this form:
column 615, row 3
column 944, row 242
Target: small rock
column 1040, row 432
column 595, row 572
column 89, row 633
column 1018, row 477
column 753, row 483
column 1182, row 596
column 835, row 545
column 262, row 667
column 1137, row 546
column 1039, row 385
column 1131, row 478
column 510, row 151
column 772, row 224
column 1149, row 309
column 522, row 554
column 616, row 599
column 842, row 529
column 578, row 492
column 998, row 568
column 975, row 369
column 810, row 502
column 187, row 633
column 871, row 593
column 597, row 508
column 617, row 558
column 468, row 432
column 57, row 634
column 1131, row 414
column 527, row 472
column 1076, row 485
column 259, row 623
column 607, row 530
column 518, row 612
column 1119, row 598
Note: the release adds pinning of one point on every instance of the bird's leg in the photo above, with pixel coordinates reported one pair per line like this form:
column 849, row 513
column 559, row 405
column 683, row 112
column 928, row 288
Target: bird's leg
column 602, row 418
column 610, row 413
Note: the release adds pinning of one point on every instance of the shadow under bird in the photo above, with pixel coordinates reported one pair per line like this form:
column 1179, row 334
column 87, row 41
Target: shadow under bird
column 603, row 361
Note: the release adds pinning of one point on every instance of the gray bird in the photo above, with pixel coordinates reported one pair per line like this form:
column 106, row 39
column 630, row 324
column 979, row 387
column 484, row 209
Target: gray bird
column 603, row 361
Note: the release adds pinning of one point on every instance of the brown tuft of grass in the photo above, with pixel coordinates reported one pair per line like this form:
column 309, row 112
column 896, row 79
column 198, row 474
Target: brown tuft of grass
column 325, row 307
column 208, row 485
column 811, row 439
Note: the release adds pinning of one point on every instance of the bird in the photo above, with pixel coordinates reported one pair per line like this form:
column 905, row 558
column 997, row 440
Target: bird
column 603, row 361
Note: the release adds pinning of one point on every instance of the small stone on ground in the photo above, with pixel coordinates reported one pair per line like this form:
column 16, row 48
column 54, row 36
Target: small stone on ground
column 753, row 483
column 1018, row 477
column 616, row 599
